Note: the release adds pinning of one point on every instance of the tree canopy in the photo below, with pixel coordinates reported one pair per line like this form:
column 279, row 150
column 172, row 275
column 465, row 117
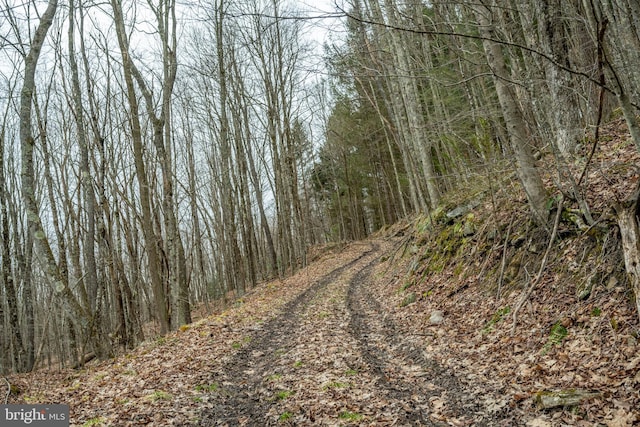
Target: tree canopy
column 157, row 156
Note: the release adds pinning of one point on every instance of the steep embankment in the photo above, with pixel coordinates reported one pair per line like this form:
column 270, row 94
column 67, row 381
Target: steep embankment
column 523, row 319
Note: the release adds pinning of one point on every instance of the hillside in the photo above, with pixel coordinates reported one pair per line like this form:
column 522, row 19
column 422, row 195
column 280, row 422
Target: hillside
column 415, row 326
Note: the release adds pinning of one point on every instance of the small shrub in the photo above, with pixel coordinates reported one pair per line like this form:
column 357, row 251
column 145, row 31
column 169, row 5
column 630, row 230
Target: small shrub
column 238, row 345
column 496, row 318
column 409, row 299
column 405, row 286
column 207, row 387
column 285, row 416
column 93, row 422
column 33, row 399
column 159, row 395
column 556, row 336
column 100, row 376
column 274, row 377
column 283, row 394
column 335, row 384
column 350, row 416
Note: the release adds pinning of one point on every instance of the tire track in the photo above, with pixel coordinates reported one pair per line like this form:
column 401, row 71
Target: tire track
column 404, row 372
column 391, row 370
column 240, row 401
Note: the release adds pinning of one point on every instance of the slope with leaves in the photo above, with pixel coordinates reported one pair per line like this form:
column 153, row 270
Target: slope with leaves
column 577, row 328
column 168, row 381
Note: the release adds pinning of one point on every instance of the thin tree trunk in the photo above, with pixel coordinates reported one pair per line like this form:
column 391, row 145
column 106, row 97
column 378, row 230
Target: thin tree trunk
column 150, row 237
column 90, row 269
column 27, row 141
column 235, row 273
column 19, row 359
column 630, row 233
column 516, row 127
column 564, row 117
column 193, row 204
column 415, row 115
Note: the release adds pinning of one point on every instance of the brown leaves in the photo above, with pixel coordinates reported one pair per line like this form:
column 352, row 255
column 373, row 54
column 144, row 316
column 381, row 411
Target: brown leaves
column 599, row 351
column 352, row 353
column 167, row 381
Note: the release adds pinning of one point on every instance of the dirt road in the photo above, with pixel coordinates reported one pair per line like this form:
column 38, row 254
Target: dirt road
column 332, row 357
column 335, row 344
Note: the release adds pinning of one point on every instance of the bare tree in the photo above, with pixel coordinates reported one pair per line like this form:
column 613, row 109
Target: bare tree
column 151, row 238
column 516, row 127
column 43, row 250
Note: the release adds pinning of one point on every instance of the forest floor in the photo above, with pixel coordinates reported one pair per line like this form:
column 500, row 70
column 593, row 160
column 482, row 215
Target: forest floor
column 414, row 326
column 318, row 348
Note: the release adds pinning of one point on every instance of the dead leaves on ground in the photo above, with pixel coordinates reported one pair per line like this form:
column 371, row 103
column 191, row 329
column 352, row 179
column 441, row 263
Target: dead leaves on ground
column 562, row 342
column 166, row 381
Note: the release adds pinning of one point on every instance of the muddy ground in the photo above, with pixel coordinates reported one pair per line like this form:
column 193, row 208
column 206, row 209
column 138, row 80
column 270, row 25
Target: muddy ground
column 333, row 356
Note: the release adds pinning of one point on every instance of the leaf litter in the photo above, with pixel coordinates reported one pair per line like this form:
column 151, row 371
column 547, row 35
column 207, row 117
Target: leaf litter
column 334, row 344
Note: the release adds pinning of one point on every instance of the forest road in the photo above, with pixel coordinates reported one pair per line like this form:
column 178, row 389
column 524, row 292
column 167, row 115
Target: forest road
column 332, row 356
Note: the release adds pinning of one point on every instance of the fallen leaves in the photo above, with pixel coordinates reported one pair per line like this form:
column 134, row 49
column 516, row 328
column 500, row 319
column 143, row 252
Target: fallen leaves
column 357, row 351
column 167, row 381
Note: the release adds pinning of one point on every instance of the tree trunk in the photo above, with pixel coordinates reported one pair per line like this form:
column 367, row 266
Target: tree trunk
column 90, row 269
column 19, row 360
column 554, row 39
column 27, row 142
column 235, row 274
column 516, row 126
column 630, row 234
column 150, row 237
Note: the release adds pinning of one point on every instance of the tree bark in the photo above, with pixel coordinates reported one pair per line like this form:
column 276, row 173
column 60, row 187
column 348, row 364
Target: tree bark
column 89, row 256
column 630, row 234
column 18, row 355
column 516, row 126
column 554, row 39
column 43, row 250
column 150, row 237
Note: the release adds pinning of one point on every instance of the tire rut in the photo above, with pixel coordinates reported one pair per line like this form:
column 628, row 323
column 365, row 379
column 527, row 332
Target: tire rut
column 239, row 401
column 403, row 369
column 337, row 325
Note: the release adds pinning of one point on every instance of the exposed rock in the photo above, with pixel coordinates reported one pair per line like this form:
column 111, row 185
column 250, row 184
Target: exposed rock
column 436, row 318
column 469, row 229
column 457, row 212
column 584, row 290
column 462, row 210
column 554, row 399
